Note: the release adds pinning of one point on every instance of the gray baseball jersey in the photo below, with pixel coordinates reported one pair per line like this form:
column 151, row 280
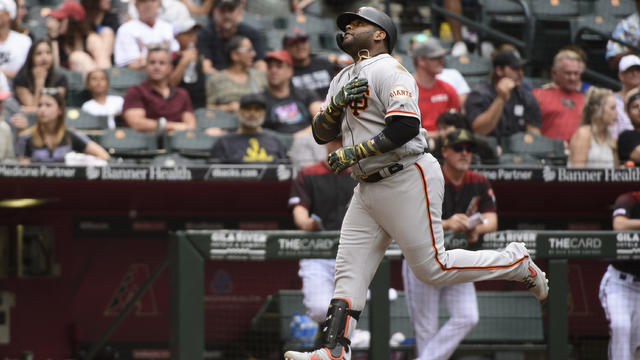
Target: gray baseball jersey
column 392, row 91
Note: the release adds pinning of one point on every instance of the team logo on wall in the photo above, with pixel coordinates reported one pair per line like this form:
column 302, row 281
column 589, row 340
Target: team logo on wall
column 132, row 281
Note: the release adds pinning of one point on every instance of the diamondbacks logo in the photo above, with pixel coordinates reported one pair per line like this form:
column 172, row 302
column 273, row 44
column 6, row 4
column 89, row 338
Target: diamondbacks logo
column 129, row 286
column 361, row 104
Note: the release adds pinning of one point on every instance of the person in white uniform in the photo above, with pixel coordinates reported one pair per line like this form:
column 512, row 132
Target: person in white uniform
column 373, row 105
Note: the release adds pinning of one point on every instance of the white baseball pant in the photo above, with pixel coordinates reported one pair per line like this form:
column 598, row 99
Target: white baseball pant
column 423, row 303
column 317, row 286
column 620, row 300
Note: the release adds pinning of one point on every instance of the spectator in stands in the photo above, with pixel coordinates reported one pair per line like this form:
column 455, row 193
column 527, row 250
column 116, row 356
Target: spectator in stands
column 74, row 46
column 202, row 7
column 17, row 24
column 225, row 24
column 136, row 35
column 629, row 140
column 560, row 101
column 450, row 121
column 102, row 104
column 469, row 209
column 289, row 109
column 313, row 210
column 6, row 136
column 187, row 65
column 309, row 71
column 591, row 145
column 49, row 140
column 250, row 144
column 37, row 73
column 155, row 105
column 629, row 75
column 455, row 6
column 451, row 76
column 503, row 107
column 102, row 21
column 582, row 55
column 435, row 96
column 627, row 30
column 620, row 285
column 14, row 46
column 226, row 87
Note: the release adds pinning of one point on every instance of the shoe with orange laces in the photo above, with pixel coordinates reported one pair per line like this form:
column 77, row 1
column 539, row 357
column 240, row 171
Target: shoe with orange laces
column 535, row 279
column 338, row 353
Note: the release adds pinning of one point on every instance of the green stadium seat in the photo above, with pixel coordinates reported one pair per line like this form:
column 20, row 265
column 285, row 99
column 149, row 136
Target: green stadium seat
column 80, row 120
column 121, row 78
column 470, row 65
column 206, row 118
column 614, row 8
column 126, row 142
column 193, row 143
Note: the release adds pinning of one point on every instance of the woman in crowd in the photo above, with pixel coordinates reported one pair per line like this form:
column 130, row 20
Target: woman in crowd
column 102, row 21
column 101, row 104
column 592, row 145
column 49, row 140
column 226, row 87
column 17, row 24
column 37, row 73
column 74, row 45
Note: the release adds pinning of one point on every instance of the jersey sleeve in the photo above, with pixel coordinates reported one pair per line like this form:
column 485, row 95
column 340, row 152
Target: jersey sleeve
column 623, row 205
column 398, row 92
column 299, row 194
column 487, row 198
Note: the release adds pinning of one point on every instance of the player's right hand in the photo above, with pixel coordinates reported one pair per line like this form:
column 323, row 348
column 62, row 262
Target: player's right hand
column 351, row 91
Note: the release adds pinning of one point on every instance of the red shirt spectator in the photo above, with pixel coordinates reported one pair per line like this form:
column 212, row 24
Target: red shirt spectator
column 155, row 105
column 561, row 111
column 435, row 101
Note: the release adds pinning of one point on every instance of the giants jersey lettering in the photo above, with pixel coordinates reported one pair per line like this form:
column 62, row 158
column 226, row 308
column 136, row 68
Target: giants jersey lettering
column 392, row 90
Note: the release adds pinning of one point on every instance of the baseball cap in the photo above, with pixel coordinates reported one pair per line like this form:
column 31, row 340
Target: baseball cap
column 628, row 62
column 279, row 55
column 292, row 35
column 69, row 9
column 230, row 3
column 9, row 6
column 251, row 99
column 459, row 136
column 429, row 48
column 509, row 58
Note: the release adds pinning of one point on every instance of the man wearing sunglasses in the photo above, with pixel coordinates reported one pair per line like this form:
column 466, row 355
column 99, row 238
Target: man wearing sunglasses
column 468, row 209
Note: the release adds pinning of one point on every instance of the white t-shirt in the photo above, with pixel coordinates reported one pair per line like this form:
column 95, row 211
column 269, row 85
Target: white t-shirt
column 111, row 108
column 454, row 78
column 13, row 52
column 134, row 35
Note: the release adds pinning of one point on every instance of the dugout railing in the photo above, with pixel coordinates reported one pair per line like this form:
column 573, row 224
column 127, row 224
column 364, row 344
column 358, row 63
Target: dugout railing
column 188, row 250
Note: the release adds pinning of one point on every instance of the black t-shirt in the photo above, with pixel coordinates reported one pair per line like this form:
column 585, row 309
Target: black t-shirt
column 211, row 46
column 243, row 148
column 627, row 141
column 323, row 193
column 316, row 76
column 628, row 205
column 521, row 109
column 289, row 114
column 21, row 80
column 197, row 91
column 71, row 141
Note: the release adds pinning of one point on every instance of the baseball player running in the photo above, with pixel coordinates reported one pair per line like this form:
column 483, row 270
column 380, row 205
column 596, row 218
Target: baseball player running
column 373, row 105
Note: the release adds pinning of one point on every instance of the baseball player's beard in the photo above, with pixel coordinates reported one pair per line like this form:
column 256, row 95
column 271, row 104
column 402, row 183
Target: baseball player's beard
column 358, row 44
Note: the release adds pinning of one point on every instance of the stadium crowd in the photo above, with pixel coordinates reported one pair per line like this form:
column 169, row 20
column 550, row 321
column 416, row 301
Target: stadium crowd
column 178, row 62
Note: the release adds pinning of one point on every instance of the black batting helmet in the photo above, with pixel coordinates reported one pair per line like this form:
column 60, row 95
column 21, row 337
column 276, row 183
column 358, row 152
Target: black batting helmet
column 373, row 16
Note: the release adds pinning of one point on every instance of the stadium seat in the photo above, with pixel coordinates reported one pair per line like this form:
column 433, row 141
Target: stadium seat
column 510, row 16
column 173, row 160
column 470, row 65
column 615, row 8
column 191, row 143
column 308, row 23
column 80, row 120
column 121, row 78
column 126, row 142
column 535, row 145
column 558, row 10
column 515, row 160
column 207, row 118
column 260, row 22
column 592, row 28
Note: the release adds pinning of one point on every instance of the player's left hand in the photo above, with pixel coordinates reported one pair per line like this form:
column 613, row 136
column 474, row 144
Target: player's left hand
column 343, row 158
